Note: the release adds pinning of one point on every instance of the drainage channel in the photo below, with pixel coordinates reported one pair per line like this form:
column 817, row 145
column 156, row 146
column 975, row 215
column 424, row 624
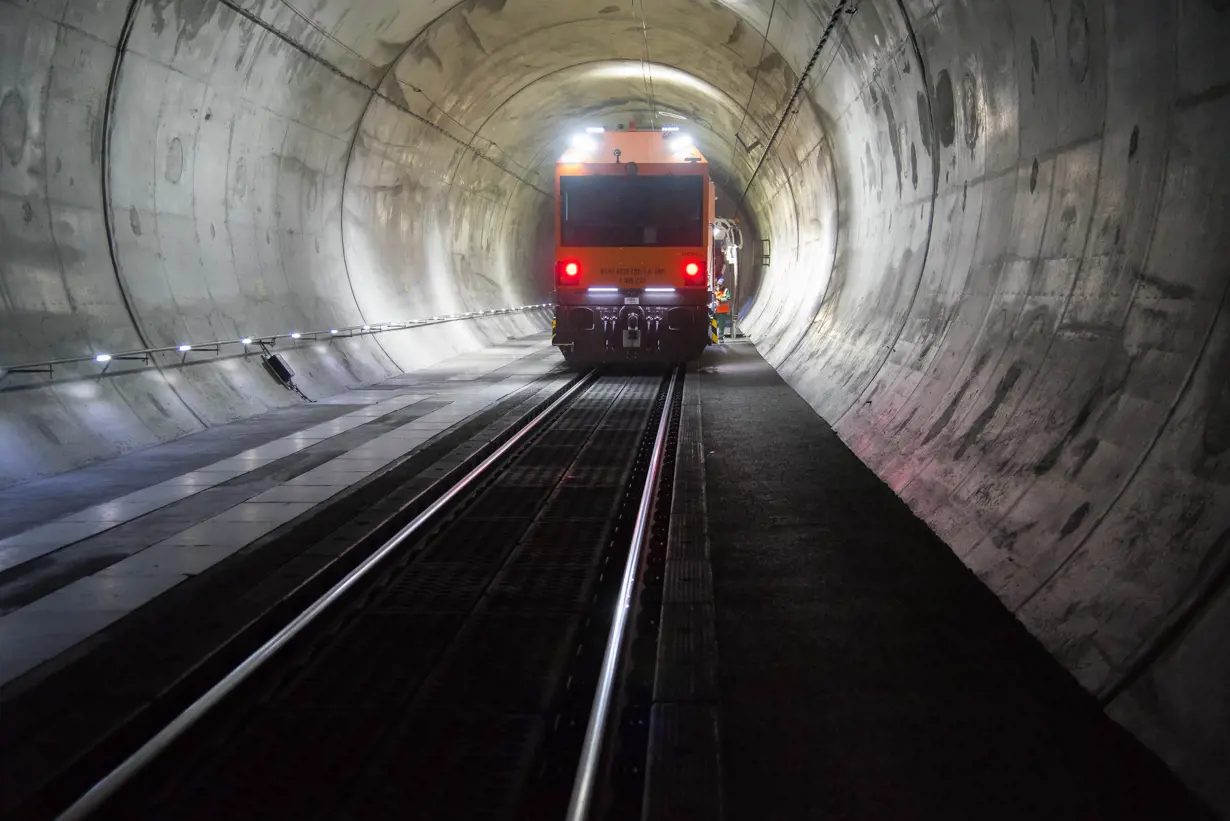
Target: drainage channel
column 452, row 674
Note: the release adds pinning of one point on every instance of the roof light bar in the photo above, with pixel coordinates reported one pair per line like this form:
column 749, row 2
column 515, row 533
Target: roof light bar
column 594, row 129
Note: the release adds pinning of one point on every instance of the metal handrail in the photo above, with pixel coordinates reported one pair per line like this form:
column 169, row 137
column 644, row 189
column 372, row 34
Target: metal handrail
column 97, row 795
column 591, row 749
column 265, row 340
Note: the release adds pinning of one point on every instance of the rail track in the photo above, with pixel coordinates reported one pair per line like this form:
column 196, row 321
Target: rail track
column 470, row 667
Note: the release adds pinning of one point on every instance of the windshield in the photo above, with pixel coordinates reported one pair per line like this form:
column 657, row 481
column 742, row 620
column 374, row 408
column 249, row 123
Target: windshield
column 602, row 211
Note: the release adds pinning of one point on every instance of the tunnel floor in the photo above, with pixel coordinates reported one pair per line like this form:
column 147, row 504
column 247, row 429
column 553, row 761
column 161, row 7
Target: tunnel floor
column 863, row 671
column 82, row 550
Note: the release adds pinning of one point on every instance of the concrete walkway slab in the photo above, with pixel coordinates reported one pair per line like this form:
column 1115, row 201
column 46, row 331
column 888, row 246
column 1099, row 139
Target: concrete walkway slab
column 864, row 672
column 92, row 565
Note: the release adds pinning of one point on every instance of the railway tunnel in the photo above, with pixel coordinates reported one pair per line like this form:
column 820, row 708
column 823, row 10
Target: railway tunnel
column 997, row 270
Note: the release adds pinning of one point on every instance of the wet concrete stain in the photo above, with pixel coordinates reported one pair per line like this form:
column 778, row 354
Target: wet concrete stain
column 964, row 195
column 1107, row 385
column 1074, row 521
column 423, row 52
column 313, row 195
column 489, row 6
column 1134, row 143
column 609, row 10
column 13, row 126
column 945, row 109
column 908, row 419
column 970, row 111
column 471, row 34
column 190, row 16
column 134, row 220
column 96, row 135
column 238, row 190
column 914, row 166
column 175, row 161
column 1083, row 453
column 1035, row 60
column 213, row 232
column 894, row 139
column 27, row 212
column 1006, row 383
column 924, row 127
column 1006, row 539
column 59, row 165
column 1033, row 176
column 951, row 410
column 47, row 432
column 1078, row 40
column 1167, row 290
column 736, row 33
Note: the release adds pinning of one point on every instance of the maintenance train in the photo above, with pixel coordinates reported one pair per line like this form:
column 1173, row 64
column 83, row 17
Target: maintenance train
column 633, row 248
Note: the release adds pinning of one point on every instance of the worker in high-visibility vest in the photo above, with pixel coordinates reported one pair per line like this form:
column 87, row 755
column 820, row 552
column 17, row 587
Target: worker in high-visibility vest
column 723, row 309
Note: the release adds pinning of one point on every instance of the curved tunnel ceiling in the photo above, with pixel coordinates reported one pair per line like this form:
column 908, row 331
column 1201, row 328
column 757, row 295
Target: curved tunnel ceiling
column 996, row 228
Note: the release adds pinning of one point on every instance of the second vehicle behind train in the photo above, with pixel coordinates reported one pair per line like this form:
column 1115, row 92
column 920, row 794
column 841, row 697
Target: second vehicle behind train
column 634, row 249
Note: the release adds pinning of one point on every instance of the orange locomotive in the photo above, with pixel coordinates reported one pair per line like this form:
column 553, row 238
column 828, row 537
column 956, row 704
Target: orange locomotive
column 633, row 248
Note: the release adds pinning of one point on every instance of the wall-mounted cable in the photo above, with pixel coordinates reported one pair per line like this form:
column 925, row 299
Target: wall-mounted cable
column 842, row 7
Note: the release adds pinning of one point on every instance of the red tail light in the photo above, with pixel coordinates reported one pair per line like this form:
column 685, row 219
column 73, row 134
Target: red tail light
column 567, row 272
column 694, row 272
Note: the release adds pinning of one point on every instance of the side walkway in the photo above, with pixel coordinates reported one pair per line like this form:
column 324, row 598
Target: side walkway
column 82, row 550
column 863, row 672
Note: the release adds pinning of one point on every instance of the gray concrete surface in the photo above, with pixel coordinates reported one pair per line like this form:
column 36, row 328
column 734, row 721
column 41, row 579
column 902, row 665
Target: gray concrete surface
column 997, row 270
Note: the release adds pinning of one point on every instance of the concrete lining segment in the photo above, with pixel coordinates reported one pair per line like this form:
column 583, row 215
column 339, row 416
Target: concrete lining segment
column 996, row 251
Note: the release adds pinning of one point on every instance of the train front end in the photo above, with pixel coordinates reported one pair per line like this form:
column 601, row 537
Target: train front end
column 633, row 249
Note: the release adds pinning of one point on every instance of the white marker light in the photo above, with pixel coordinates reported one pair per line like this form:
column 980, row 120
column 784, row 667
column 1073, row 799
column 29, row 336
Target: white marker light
column 247, row 340
column 333, row 330
column 296, row 335
column 603, row 290
column 660, row 290
column 367, row 327
column 669, row 128
column 594, row 129
column 185, row 348
column 102, row 357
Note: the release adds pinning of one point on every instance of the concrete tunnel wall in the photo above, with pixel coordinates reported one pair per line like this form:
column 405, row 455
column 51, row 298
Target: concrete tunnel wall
column 997, row 228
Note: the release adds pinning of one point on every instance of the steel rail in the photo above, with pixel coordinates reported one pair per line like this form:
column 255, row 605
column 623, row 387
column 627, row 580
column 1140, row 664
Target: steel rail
column 105, row 788
column 591, row 749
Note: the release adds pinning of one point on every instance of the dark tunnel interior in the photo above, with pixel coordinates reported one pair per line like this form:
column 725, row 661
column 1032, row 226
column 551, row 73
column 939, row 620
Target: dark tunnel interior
column 999, row 262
